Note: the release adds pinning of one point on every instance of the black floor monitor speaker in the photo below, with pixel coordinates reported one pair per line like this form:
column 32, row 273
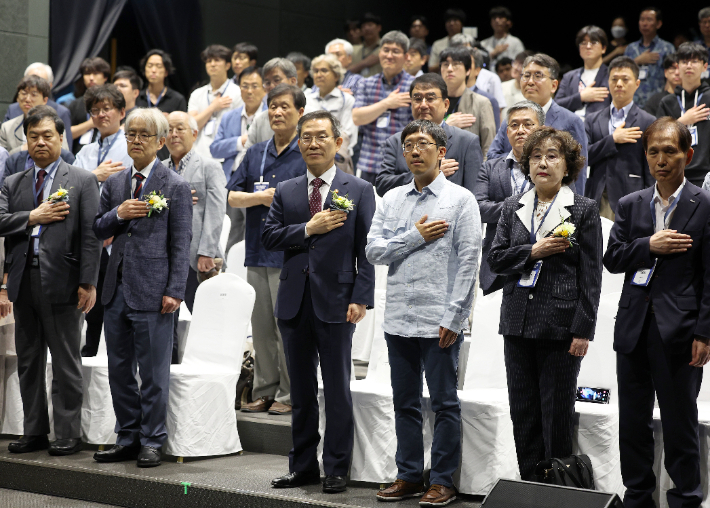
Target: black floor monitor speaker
column 518, row 494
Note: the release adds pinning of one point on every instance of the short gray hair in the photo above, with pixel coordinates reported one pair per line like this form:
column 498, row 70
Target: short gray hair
column 396, row 37
column 704, row 13
column 546, row 61
column 321, row 114
column 346, row 46
column 523, row 105
column 461, row 40
column 154, row 120
column 286, row 66
column 47, row 69
column 335, row 66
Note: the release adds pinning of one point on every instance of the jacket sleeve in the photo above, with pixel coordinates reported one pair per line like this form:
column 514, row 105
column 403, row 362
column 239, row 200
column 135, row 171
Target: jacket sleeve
column 489, row 209
column 90, row 245
column 389, row 176
column 225, row 142
column 106, row 221
column 500, row 145
column 487, row 124
column 12, row 223
column 577, row 131
column 364, row 287
column 471, row 165
column 600, row 149
column 702, row 328
column 589, row 280
column 215, row 205
column 503, row 258
column 567, row 96
column 276, row 235
column 180, row 223
column 623, row 253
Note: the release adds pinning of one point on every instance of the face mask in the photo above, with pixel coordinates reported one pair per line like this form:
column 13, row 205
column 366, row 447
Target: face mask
column 618, row 32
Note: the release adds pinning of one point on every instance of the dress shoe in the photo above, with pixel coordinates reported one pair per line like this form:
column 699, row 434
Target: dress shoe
column 28, row 444
column 149, row 456
column 118, row 454
column 65, row 446
column 279, row 409
column 401, row 490
column 438, row 495
column 296, row 479
column 260, row 405
column 334, row 484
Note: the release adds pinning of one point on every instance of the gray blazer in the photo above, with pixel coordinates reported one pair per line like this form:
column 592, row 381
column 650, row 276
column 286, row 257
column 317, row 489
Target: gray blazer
column 207, row 178
column 484, row 127
column 153, row 250
column 69, row 252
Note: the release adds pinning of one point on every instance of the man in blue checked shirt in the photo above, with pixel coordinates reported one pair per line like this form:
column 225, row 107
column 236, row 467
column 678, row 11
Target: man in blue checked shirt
column 429, row 233
column 382, row 103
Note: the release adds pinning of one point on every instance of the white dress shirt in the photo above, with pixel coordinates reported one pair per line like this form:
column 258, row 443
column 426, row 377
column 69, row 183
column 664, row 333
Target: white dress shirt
column 662, row 221
column 327, row 178
column 490, row 83
column 200, row 100
column 145, row 172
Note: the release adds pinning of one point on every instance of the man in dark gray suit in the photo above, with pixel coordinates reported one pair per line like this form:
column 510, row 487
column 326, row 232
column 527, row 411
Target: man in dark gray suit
column 463, row 149
column 51, row 270
column 144, row 285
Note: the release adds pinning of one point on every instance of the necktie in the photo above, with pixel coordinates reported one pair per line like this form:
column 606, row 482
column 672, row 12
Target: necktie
column 618, row 116
column 139, row 185
column 314, row 202
column 38, row 184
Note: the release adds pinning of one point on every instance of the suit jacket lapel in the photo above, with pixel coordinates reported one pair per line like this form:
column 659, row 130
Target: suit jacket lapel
column 303, row 210
column 27, row 190
column 602, row 78
column 341, row 185
column 551, row 115
column 61, row 177
column 192, row 167
column 504, row 177
column 524, row 213
column 449, row 140
column 631, row 117
column 558, row 211
column 156, row 181
column 687, row 204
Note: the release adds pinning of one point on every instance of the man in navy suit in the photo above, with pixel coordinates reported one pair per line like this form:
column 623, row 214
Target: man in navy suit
column 144, row 284
column 616, row 158
column 463, row 149
column 326, row 285
column 663, row 325
column 538, row 83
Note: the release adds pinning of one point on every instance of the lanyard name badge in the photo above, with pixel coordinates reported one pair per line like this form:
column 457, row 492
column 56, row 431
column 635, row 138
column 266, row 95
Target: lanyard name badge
column 157, row 101
column 384, row 121
column 108, row 148
column 523, row 186
column 529, row 279
column 692, row 128
column 37, row 193
column 261, row 185
column 643, row 69
column 210, row 125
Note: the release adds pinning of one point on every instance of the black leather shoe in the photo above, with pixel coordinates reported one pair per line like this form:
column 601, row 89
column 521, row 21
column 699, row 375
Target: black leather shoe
column 149, row 456
column 118, row 454
column 296, row 479
column 28, row 444
column 65, row 446
column 334, row 484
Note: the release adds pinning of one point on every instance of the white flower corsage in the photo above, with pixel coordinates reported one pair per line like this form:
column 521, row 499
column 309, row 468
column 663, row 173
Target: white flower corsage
column 156, row 201
column 341, row 203
column 565, row 230
column 61, row 196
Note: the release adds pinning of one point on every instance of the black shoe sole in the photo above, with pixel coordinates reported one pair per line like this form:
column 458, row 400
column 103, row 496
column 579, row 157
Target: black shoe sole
column 29, row 450
column 148, row 464
column 61, row 453
column 334, row 490
column 299, row 484
column 110, row 460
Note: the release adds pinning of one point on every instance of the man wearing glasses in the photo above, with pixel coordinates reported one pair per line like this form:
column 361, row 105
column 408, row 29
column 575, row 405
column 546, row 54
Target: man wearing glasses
column 429, row 233
column 539, row 82
column 430, row 101
column 144, row 284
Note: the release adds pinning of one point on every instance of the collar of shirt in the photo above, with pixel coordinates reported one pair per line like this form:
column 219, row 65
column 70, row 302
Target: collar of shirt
column 395, row 80
column 183, row 162
column 327, row 177
column 434, row 187
column 292, row 146
column 653, row 42
column 625, row 110
column 659, row 201
column 145, row 171
column 38, row 169
column 220, row 90
column 106, row 142
column 547, row 106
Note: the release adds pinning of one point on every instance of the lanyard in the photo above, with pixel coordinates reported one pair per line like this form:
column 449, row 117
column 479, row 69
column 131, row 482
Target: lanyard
column 221, row 92
column 101, row 159
column 157, row 101
column 682, row 103
column 263, row 161
column 533, row 231
column 50, row 174
column 668, row 212
column 515, row 183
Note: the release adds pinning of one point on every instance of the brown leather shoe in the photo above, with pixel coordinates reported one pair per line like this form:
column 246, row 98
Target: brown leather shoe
column 400, row 490
column 438, row 495
column 279, row 409
column 260, row 405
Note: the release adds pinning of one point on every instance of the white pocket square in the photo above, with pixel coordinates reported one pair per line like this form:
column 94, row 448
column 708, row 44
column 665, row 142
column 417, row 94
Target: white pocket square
column 634, row 176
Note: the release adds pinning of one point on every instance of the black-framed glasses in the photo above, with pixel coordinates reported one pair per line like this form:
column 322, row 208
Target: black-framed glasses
column 430, row 98
column 142, row 138
column 97, row 111
column 537, row 76
column 421, row 145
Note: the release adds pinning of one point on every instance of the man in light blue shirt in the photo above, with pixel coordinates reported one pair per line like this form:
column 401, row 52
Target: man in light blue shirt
column 429, row 233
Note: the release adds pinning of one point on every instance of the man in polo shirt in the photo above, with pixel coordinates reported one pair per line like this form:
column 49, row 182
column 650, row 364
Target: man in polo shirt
column 343, row 51
column 252, row 186
column 382, row 103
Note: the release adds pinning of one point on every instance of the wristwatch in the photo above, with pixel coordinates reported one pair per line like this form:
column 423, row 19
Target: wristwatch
column 3, row 286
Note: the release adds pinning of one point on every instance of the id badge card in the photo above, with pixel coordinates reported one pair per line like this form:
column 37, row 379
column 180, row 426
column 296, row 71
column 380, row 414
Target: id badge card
column 85, row 138
column 642, row 277
column 209, row 127
column 643, row 72
column 36, row 230
column 383, row 121
column 693, row 135
column 529, row 279
column 261, row 185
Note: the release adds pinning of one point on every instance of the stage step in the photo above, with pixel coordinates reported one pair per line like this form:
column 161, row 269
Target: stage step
column 230, row 481
column 265, row 433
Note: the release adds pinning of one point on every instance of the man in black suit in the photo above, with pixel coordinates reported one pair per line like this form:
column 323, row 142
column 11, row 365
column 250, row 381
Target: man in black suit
column 463, row 149
column 51, row 270
column 663, row 325
column 618, row 163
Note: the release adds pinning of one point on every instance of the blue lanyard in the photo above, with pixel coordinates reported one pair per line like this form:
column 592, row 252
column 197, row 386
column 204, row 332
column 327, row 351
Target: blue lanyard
column 157, row 101
column 533, row 231
column 668, row 212
column 38, row 192
column 515, row 183
column 221, row 93
column 101, row 159
column 263, row 161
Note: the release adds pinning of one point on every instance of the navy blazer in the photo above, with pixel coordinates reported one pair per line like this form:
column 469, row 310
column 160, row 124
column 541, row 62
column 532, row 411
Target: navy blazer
column 224, row 145
column 680, row 287
column 338, row 271
column 155, row 250
column 462, row 146
column 568, row 96
column 620, row 168
column 564, row 302
column 13, row 111
column 557, row 117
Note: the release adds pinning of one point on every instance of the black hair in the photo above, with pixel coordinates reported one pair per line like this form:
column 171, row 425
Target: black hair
column 455, row 14
column 624, row 62
column 130, row 75
column 418, row 46
column 369, row 17
column 108, row 92
column 95, row 65
column 299, row 100
column 32, row 81
column 249, row 71
column 594, row 33
column 430, row 80
column 691, row 51
column 246, row 47
column 570, row 148
column 503, row 61
column 299, row 58
column 422, row 19
column 655, row 10
column 500, row 12
column 39, row 113
column 457, row 54
column 167, row 61
column 436, row 131
column 218, row 52
column 669, row 61
column 319, row 115
column 685, row 140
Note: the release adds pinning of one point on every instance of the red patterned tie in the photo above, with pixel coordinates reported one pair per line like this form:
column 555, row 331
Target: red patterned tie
column 139, row 185
column 315, row 200
column 38, row 184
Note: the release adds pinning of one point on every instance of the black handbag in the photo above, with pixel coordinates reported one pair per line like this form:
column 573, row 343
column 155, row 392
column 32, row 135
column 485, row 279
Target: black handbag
column 573, row 471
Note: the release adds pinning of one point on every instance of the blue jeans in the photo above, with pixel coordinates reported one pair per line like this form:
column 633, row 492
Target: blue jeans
column 409, row 357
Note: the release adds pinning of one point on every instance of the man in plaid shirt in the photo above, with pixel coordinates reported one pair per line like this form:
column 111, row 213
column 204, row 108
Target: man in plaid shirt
column 382, row 103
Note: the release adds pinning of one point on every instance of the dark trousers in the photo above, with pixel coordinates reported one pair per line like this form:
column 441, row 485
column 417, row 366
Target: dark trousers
column 409, row 357
column 542, row 387
column 39, row 325
column 190, row 290
column 143, row 339
column 95, row 317
column 654, row 367
column 305, row 339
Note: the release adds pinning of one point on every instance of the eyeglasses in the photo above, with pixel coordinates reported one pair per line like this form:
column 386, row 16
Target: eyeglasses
column 320, row 140
column 430, row 98
column 538, row 77
column 23, row 94
column 276, row 81
column 550, row 158
column 97, row 111
column 528, row 126
column 592, row 44
column 421, row 145
column 247, row 87
column 391, row 51
column 688, row 63
column 142, row 138
column 454, row 65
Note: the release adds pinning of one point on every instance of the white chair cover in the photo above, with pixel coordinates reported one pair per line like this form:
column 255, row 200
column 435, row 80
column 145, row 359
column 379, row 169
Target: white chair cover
column 98, row 420
column 224, row 235
column 235, row 260
column 365, row 332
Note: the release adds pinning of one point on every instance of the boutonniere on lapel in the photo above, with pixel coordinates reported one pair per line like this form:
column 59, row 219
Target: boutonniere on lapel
column 156, row 202
column 341, row 203
column 565, row 230
column 61, row 196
